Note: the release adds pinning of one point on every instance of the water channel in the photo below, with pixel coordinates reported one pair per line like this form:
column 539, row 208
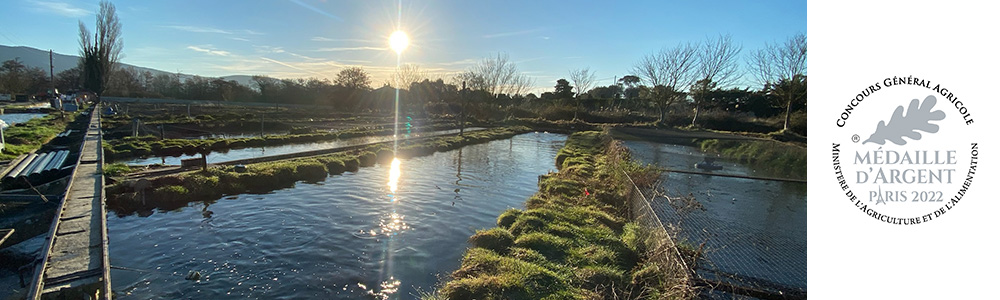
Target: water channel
column 346, row 237
column 754, row 231
column 254, row 152
column 11, row 119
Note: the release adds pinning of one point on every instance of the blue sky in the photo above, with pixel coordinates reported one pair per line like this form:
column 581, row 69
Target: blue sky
column 316, row 38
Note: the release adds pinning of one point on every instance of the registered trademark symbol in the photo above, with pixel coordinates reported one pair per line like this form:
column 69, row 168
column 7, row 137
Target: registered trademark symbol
column 855, row 138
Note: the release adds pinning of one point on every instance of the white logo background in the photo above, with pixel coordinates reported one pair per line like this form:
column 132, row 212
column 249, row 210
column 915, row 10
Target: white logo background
column 853, row 44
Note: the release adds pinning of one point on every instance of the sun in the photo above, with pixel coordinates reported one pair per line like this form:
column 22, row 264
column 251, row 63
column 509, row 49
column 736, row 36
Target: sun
column 398, row 41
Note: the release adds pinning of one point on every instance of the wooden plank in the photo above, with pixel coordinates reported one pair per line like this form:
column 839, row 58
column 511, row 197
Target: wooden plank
column 4, row 234
column 76, row 254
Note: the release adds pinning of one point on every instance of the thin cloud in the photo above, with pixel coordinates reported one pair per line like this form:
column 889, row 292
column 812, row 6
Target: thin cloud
column 530, row 60
column 239, row 39
column 513, row 33
column 337, row 49
column 317, row 10
column 209, row 51
column 197, row 29
column 248, row 31
column 303, row 56
column 269, row 49
column 61, row 8
column 326, row 39
column 467, row 61
column 293, row 67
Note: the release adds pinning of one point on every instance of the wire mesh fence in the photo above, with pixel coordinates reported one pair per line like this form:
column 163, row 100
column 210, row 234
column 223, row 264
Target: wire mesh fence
column 658, row 240
column 733, row 257
column 713, row 249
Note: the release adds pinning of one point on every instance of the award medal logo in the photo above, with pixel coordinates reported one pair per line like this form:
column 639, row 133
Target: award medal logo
column 905, row 151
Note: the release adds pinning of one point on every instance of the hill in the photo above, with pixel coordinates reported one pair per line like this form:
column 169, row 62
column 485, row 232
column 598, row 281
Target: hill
column 33, row 57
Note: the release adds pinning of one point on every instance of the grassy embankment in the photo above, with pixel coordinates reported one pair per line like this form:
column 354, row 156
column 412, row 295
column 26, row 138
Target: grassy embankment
column 151, row 145
column 573, row 240
column 175, row 191
column 31, row 135
column 772, row 156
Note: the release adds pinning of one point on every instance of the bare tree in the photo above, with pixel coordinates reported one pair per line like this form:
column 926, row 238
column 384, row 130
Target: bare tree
column 496, row 75
column 583, row 79
column 717, row 68
column 781, row 69
column 99, row 56
column 670, row 72
column 406, row 75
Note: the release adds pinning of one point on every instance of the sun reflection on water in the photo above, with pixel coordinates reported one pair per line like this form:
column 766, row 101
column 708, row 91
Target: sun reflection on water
column 394, row 176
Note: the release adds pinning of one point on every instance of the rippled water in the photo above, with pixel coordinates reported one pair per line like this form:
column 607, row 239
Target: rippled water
column 343, row 238
column 244, row 153
column 752, row 228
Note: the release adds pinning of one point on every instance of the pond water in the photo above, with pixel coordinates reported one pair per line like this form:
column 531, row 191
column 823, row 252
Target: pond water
column 346, row 237
column 11, row 119
column 753, row 229
column 245, row 153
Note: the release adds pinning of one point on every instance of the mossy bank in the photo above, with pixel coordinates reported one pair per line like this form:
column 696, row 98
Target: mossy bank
column 573, row 240
column 780, row 158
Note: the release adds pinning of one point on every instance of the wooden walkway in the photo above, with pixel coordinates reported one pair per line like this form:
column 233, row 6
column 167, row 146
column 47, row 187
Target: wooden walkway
column 75, row 264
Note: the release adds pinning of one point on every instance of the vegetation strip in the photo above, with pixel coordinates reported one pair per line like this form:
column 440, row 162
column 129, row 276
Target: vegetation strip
column 31, row 135
column 131, row 147
column 174, row 191
column 771, row 156
column 573, row 240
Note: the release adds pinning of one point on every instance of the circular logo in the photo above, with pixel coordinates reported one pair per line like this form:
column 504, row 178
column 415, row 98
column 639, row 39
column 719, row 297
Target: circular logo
column 904, row 152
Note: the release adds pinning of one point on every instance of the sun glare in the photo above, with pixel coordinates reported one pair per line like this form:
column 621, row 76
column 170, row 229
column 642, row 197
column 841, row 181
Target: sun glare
column 398, row 41
column 394, row 175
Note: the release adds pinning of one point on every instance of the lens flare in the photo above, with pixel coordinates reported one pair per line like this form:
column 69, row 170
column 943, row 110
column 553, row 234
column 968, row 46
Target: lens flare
column 398, row 41
column 394, row 175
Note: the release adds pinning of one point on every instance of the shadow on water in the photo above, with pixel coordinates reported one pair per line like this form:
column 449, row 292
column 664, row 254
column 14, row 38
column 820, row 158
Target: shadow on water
column 338, row 238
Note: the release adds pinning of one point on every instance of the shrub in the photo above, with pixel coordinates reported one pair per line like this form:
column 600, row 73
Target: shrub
column 552, row 247
column 508, row 217
column 496, row 239
column 116, row 169
column 366, row 159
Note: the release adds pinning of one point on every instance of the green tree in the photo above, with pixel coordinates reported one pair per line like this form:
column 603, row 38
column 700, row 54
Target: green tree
column 354, row 78
column 99, row 56
column 13, row 77
column 563, row 89
column 267, row 87
column 69, row 79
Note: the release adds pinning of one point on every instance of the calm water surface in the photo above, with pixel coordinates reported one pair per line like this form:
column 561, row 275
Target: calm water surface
column 752, row 228
column 346, row 237
column 11, row 119
column 244, row 153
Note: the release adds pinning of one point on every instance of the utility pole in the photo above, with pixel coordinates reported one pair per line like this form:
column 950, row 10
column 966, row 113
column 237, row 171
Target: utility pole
column 52, row 77
column 261, row 125
column 462, row 95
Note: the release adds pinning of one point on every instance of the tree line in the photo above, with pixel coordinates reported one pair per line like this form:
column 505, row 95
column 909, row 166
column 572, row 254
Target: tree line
column 687, row 78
